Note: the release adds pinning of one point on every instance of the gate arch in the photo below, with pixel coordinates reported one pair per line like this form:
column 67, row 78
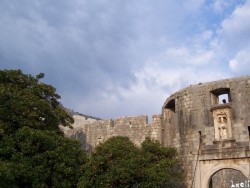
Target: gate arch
column 207, row 177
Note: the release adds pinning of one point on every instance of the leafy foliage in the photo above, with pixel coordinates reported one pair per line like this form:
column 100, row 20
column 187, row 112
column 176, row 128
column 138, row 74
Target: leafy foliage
column 35, row 158
column 113, row 164
column 24, row 101
column 33, row 151
column 161, row 167
column 118, row 163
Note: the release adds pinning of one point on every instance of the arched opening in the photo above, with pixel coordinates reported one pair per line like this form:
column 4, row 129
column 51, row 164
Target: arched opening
column 168, row 121
column 227, row 177
column 169, row 110
column 171, row 105
column 249, row 135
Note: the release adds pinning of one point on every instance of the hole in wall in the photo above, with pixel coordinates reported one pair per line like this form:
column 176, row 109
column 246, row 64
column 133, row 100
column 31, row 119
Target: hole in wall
column 220, row 96
column 171, row 105
column 249, row 133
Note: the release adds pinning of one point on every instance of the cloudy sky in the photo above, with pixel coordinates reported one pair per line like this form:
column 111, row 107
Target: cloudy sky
column 113, row 58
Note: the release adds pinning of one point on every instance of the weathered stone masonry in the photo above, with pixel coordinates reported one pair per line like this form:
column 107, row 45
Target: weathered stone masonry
column 91, row 132
column 211, row 136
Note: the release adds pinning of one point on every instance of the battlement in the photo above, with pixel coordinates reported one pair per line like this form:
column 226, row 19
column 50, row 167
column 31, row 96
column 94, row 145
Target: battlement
column 91, row 132
column 132, row 121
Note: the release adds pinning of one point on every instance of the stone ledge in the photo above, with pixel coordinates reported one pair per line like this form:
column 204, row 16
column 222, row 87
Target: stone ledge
column 225, row 153
column 224, row 143
column 220, row 106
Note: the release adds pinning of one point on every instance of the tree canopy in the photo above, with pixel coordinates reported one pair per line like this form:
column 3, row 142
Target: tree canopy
column 33, row 151
column 161, row 166
column 25, row 101
column 34, row 158
column 114, row 163
column 119, row 163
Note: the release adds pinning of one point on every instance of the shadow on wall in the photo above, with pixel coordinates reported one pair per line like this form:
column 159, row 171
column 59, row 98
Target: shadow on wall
column 81, row 137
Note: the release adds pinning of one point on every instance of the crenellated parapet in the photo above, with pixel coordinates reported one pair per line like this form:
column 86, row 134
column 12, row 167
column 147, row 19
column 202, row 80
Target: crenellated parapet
column 137, row 128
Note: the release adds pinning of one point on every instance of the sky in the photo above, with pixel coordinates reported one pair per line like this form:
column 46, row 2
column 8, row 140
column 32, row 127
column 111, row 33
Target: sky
column 115, row 58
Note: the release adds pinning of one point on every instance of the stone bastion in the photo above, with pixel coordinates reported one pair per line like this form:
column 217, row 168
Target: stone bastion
column 209, row 123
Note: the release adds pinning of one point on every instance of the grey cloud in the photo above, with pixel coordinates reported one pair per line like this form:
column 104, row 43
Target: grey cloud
column 92, row 49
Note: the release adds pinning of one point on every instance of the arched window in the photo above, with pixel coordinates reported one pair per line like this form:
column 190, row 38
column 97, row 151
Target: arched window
column 171, row 105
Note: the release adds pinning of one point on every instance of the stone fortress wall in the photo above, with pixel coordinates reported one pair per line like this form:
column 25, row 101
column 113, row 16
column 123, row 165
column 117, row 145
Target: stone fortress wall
column 92, row 131
column 211, row 136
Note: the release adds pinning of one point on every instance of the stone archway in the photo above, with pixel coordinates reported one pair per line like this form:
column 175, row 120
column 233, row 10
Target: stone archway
column 210, row 168
column 227, row 177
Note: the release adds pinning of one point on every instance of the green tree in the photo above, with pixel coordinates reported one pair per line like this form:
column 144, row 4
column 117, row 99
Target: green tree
column 119, row 163
column 25, row 101
column 161, row 167
column 114, row 163
column 35, row 158
column 33, row 151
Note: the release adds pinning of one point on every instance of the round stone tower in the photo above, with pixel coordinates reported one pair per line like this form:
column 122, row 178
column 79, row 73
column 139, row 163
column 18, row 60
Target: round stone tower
column 209, row 124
